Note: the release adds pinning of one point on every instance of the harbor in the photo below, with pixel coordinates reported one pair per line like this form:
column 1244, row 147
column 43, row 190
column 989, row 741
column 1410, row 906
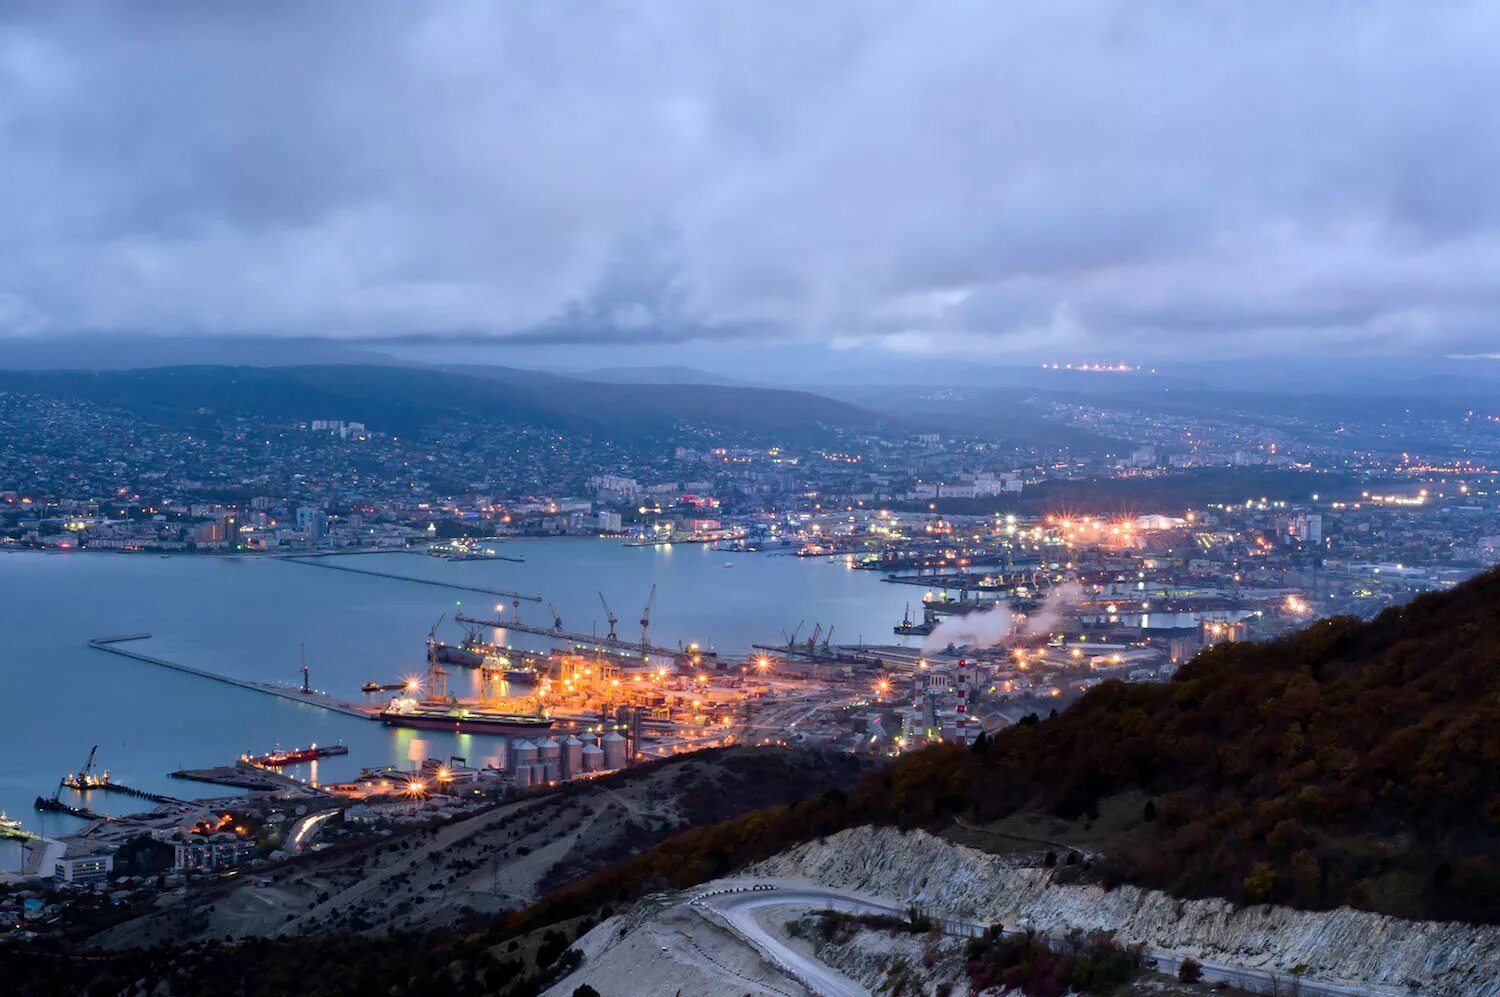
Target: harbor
column 171, row 648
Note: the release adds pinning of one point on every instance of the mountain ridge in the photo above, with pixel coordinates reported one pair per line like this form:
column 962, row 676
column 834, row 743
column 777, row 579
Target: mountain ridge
column 407, row 400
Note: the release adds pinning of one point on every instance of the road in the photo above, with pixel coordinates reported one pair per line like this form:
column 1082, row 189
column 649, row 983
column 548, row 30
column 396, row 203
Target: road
column 735, row 904
column 306, row 830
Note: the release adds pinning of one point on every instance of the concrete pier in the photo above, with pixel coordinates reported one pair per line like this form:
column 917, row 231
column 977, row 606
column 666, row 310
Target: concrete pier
column 318, row 699
column 323, row 563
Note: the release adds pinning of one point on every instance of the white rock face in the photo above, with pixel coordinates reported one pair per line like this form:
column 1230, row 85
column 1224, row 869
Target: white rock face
column 1440, row 958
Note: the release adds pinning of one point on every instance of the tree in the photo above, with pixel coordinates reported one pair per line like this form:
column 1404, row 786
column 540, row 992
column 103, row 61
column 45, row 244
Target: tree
column 584, row 990
column 1190, row 971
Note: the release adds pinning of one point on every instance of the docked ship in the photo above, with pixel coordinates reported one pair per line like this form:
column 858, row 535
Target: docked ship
column 460, row 550
column 908, row 628
column 438, row 712
column 11, row 828
column 295, row 756
column 468, row 653
column 405, row 712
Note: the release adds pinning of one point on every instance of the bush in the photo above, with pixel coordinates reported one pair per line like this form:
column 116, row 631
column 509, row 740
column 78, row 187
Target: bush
column 1190, row 971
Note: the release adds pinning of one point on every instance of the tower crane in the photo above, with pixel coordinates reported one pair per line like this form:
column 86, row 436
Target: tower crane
column 610, row 616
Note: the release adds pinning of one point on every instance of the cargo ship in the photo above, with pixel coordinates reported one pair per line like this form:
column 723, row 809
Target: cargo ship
column 907, row 628
column 469, row 653
column 441, row 716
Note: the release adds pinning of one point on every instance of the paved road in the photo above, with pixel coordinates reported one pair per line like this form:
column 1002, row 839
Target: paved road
column 738, row 911
column 306, row 829
column 736, row 906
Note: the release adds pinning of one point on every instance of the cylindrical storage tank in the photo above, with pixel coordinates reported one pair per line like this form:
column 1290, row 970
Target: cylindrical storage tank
column 523, row 776
column 549, row 750
column 614, row 751
column 572, row 757
column 552, row 770
column 593, row 758
column 523, row 752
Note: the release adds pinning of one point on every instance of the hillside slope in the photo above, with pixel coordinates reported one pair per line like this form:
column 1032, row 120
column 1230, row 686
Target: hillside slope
column 1350, row 764
column 407, row 400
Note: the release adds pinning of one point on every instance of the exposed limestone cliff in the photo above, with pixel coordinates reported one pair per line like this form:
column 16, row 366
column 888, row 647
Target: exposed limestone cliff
column 1440, row 958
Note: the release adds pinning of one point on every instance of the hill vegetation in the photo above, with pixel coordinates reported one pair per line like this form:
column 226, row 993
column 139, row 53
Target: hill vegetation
column 1352, row 763
column 408, row 400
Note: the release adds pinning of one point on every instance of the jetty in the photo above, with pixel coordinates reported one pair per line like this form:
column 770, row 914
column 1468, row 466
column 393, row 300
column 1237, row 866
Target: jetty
column 434, row 582
column 243, row 775
column 310, row 697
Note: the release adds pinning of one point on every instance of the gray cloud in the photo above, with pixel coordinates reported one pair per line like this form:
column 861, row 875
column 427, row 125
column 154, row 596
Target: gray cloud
column 1105, row 177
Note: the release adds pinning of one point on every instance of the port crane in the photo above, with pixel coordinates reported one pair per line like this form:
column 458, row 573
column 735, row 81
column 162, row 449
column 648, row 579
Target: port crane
column 646, row 620
column 437, row 675
column 610, row 616
column 616, row 643
column 556, row 620
column 84, row 779
column 791, row 638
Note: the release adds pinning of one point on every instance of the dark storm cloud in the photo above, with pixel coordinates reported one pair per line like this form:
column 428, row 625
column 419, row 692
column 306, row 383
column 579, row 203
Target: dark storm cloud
column 1121, row 177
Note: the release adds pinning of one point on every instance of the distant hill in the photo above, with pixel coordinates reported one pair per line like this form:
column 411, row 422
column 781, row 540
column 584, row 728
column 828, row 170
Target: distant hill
column 656, row 374
column 407, row 400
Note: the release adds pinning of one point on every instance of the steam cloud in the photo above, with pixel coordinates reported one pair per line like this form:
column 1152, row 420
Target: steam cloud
column 989, row 628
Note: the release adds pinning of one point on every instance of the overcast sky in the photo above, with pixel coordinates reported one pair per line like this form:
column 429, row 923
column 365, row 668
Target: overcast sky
column 1117, row 180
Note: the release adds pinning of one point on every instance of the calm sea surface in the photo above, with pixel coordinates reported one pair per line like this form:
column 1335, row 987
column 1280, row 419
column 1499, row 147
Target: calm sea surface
column 247, row 616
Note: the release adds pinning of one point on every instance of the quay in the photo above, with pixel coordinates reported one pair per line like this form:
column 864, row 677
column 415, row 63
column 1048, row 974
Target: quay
column 323, row 563
column 110, row 786
column 245, row 776
column 311, row 698
column 47, row 804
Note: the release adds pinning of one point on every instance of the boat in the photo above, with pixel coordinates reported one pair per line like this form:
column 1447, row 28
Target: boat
column 908, row 628
column 467, row 653
column 11, row 828
column 404, row 712
column 728, row 564
column 458, row 550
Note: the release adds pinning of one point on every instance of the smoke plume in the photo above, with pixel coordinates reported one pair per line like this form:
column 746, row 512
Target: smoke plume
column 990, row 627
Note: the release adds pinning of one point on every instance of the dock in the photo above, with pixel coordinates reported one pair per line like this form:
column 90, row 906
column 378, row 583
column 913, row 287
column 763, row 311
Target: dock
column 311, row 698
column 47, row 804
column 323, row 563
column 245, row 776
column 124, row 790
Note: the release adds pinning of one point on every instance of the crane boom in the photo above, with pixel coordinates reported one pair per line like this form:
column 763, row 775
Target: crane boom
column 646, row 619
column 610, row 616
